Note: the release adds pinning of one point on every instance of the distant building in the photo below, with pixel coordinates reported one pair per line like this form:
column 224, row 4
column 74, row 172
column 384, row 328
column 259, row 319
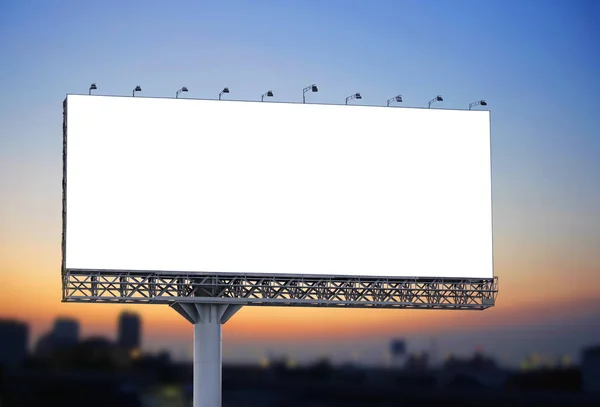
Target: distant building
column 398, row 347
column 479, row 370
column 130, row 331
column 590, row 369
column 97, row 343
column 44, row 346
column 65, row 332
column 398, row 352
column 417, row 362
column 478, row 363
column 101, row 353
column 14, row 338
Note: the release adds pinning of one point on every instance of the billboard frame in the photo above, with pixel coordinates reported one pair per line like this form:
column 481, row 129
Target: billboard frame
column 169, row 287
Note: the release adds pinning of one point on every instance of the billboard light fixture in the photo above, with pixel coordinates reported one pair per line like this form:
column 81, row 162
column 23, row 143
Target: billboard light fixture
column 92, row 87
column 478, row 103
column 312, row 88
column 225, row 90
column 357, row 96
column 268, row 94
column 138, row 88
column 438, row 98
column 397, row 99
column 183, row 89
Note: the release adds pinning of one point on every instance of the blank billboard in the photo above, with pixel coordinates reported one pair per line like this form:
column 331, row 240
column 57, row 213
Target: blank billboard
column 208, row 186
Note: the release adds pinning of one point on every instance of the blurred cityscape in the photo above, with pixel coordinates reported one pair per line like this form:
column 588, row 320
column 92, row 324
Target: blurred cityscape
column 64, row 368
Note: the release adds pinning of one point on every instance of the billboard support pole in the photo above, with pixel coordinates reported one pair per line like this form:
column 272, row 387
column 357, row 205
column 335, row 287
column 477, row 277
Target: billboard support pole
column 207, row 320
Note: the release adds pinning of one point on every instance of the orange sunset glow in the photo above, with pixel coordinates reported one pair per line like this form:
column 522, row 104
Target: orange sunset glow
column 522, row 299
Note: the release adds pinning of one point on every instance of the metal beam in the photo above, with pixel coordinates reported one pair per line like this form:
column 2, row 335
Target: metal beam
column 265, row 290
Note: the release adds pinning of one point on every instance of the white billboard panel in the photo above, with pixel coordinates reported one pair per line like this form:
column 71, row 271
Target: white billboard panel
column 274, row 188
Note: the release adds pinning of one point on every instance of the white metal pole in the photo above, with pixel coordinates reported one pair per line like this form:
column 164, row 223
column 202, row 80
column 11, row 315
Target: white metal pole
column 207, row 320
column 207, row 357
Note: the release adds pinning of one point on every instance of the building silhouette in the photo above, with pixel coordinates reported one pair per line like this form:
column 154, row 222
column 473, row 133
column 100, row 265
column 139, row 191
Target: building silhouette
column 417, row 362
column 65, row 332
column 398, row 352
column 64, row 335
column 478, row 371
column 14, row 339
column 590, row 369
column 129, row 331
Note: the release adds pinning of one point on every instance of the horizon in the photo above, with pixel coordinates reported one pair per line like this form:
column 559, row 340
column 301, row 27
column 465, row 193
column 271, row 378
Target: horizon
column 369, row 351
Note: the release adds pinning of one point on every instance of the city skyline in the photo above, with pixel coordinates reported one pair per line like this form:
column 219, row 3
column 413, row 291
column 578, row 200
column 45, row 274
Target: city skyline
column 367, row 349
column 536, row 66
column 128, row 336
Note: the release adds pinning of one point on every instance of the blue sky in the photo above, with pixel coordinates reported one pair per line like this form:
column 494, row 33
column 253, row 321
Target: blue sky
column 536, row 63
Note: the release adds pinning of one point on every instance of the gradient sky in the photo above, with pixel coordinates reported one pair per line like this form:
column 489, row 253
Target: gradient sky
column 536, row 63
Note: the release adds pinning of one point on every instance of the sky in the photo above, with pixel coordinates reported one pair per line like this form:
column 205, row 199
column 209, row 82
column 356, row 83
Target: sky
column 535, row 63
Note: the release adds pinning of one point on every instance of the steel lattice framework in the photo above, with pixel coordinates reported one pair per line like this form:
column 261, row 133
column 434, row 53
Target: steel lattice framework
column 167, row 288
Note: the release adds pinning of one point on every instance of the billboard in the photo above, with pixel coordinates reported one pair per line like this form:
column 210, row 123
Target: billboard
column 214, row 186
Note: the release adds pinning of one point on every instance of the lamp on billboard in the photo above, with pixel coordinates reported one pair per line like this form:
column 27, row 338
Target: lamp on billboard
column 397, row 99
column 294, row 246
column 136, row 89
column 478, row 103
column 438, row 98
column 312, row 88
column 225, row 90
column 357, row 95
column 268, row 94
column 183, row 89
column 92, row 87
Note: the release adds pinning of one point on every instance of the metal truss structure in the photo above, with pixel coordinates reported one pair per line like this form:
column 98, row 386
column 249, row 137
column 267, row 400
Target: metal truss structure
column 101, row 286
